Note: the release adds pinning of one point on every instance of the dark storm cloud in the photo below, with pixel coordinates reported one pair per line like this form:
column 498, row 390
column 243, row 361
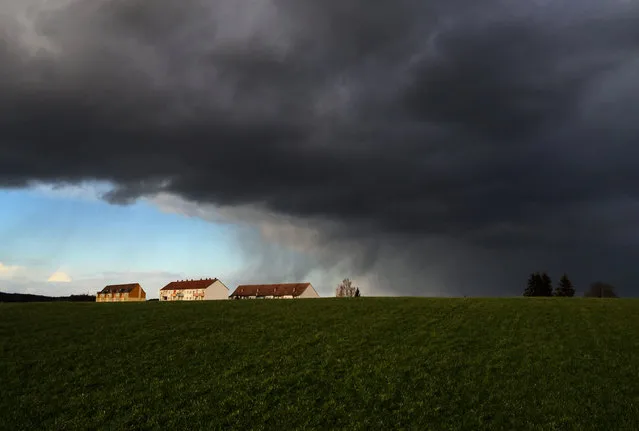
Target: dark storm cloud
column 505, row 127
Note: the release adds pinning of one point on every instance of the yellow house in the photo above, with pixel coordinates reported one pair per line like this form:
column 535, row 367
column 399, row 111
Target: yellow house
column 121, row 293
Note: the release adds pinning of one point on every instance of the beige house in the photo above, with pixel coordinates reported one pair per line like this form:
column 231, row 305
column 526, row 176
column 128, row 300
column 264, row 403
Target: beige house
column 121, row 293
column 275, row 291
column 194, row 290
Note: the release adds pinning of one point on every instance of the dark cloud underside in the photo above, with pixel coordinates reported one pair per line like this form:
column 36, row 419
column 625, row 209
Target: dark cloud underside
column 504, row 127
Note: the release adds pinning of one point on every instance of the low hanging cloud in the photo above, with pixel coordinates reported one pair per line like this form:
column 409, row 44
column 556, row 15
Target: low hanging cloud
column 281, row 248
column 9, row 271
column 60, row 284
column 59, row 277
column 442, row 146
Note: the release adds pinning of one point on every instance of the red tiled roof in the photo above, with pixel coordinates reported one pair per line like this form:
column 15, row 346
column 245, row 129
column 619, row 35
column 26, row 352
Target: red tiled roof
column 120, row 288
column 282, row 289
column 189, row 284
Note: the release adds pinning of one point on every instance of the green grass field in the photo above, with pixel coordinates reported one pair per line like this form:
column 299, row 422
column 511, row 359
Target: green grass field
column 367, row 363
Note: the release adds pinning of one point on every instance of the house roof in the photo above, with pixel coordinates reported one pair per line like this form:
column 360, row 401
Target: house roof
column 282, row 289
column 120, row 288
column 190, row 284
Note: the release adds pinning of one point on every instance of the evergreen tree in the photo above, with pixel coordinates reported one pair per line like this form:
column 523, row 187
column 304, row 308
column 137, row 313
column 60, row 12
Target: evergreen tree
column 530, row 287
column 539, row 284
column 565, row 287
column 533, row 285
column 545, row 285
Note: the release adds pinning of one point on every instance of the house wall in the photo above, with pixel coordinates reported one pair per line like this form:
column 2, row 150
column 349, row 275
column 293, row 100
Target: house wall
column 182, row 295
column 137, row 294
column 309, row 292
column 115, row 297
column 216, row 291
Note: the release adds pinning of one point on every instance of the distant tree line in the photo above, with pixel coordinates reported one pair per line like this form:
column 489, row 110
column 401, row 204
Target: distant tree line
column 26, row 297
column 540, row 284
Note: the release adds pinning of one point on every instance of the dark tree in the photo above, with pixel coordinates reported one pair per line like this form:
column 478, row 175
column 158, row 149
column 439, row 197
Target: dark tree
column 26, row 297
column 546, row 285
column 600, row 289
column 357, row 293
column 531, row 287
column 539, row 284
column 565, row 287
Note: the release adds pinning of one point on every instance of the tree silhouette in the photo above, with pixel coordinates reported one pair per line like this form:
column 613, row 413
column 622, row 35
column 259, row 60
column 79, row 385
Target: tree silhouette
column 539, row 284
column 565, row 287
column 531, row 287
column 546, row 285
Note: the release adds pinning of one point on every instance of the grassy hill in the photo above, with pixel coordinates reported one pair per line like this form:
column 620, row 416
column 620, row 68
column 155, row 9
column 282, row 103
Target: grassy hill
column 368, row 363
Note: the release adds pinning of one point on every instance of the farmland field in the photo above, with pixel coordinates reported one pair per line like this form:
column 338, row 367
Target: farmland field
column 366, row 363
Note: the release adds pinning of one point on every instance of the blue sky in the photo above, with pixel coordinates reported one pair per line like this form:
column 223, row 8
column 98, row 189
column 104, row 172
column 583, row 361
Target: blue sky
column 44, row 231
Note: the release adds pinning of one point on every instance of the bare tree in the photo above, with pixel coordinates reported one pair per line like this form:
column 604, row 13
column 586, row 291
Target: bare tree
column 346, row 289
column 600, row 289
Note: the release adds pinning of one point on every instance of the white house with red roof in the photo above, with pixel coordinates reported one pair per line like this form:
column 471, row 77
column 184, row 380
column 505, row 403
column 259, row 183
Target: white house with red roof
column 275, row 291
column 194, row 290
